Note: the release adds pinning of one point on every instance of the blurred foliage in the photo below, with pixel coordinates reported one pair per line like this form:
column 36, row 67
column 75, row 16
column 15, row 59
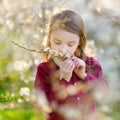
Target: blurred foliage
column 25, row 22
column 20, row 114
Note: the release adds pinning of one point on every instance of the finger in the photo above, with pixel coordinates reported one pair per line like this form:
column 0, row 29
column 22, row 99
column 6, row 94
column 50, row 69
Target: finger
column 65, row 67
column 64, row 63
column 71, row 66
column 74, row 58
column 70, row 70
column 77, row 59
column 68, row 63
column 77, row 64
column 80, row 63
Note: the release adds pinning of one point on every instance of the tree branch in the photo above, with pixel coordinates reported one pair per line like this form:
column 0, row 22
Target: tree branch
column 32, row 50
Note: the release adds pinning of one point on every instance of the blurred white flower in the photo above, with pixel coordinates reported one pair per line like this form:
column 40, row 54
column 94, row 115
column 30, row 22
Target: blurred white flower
column 26, row 81
column 12, row 95
column 24, row 91
column 20, row 65
column 105, row 108
column 70, row 113
column 36, row 36
column 42, row 101
column 46, row 49
column 20, row 100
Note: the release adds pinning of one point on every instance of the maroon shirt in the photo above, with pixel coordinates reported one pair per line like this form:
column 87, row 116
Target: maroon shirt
column 48, row 74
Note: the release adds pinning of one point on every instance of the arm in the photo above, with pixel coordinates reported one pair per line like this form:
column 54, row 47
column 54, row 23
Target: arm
column 93, row 78
column 42, row 89
column 94, row 72
column 96, row 80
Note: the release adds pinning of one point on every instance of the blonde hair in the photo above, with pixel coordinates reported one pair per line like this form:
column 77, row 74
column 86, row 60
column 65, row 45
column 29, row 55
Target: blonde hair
column 72, row 22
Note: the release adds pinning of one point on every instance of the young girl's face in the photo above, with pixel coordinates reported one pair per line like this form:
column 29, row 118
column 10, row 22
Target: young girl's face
column 64, row 42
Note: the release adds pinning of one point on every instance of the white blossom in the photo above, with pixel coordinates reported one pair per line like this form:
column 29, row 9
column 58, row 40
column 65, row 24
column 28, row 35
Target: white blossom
column 46, row 49
column 24, row 91
column 20, row 100
column 54, row 53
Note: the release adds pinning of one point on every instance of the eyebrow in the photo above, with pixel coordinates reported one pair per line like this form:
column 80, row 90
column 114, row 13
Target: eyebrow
column 71, row 41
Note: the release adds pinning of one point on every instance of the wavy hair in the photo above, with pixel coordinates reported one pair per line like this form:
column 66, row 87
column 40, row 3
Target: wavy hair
column 72, row 22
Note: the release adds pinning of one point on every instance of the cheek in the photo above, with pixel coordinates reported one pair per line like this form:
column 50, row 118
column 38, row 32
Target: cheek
column 54, row 47
column 72, row 50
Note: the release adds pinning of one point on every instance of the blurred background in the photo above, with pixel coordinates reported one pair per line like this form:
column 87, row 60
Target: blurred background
column 24, row 22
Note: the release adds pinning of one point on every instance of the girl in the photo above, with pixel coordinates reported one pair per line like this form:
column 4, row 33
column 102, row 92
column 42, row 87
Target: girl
column 67, row 84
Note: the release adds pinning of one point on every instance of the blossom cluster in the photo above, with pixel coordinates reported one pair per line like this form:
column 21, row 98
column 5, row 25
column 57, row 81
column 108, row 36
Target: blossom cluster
column 54, row 53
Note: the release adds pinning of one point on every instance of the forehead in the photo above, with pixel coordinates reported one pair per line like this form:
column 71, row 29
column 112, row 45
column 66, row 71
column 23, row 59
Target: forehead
column 63, row 35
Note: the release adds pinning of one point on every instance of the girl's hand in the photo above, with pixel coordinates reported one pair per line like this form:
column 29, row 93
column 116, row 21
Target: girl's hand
column 67, row 65
column 79, row 67
column 67, row 68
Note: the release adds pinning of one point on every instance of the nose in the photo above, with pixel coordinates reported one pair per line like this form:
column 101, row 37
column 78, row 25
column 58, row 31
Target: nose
column 63, row 49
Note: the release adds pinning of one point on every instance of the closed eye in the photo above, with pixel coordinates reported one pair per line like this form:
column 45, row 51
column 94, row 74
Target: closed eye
column 71, row 44
column 57, row 41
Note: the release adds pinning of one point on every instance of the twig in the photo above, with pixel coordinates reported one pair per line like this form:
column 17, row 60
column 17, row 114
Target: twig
column 52, row 53
column 32, row 50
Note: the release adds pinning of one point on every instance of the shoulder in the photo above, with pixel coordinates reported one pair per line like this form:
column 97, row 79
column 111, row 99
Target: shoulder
column 93, row 66
column 42, row 65
column 47, row 67
column 43, row 68
column 92, row 61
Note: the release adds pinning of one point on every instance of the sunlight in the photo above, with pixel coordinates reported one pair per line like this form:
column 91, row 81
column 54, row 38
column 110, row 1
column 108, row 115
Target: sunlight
column 56, row 10
column 25, row 22
column 44, row 41
column 105, row 5
column 20, row 65
column 10, row 24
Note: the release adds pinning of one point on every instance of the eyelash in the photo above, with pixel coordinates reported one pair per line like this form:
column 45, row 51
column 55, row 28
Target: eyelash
column 57, row 43
column 60, row 43
column 70, row 45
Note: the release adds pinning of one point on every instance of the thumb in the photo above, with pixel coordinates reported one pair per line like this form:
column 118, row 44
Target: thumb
column 58, row 62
